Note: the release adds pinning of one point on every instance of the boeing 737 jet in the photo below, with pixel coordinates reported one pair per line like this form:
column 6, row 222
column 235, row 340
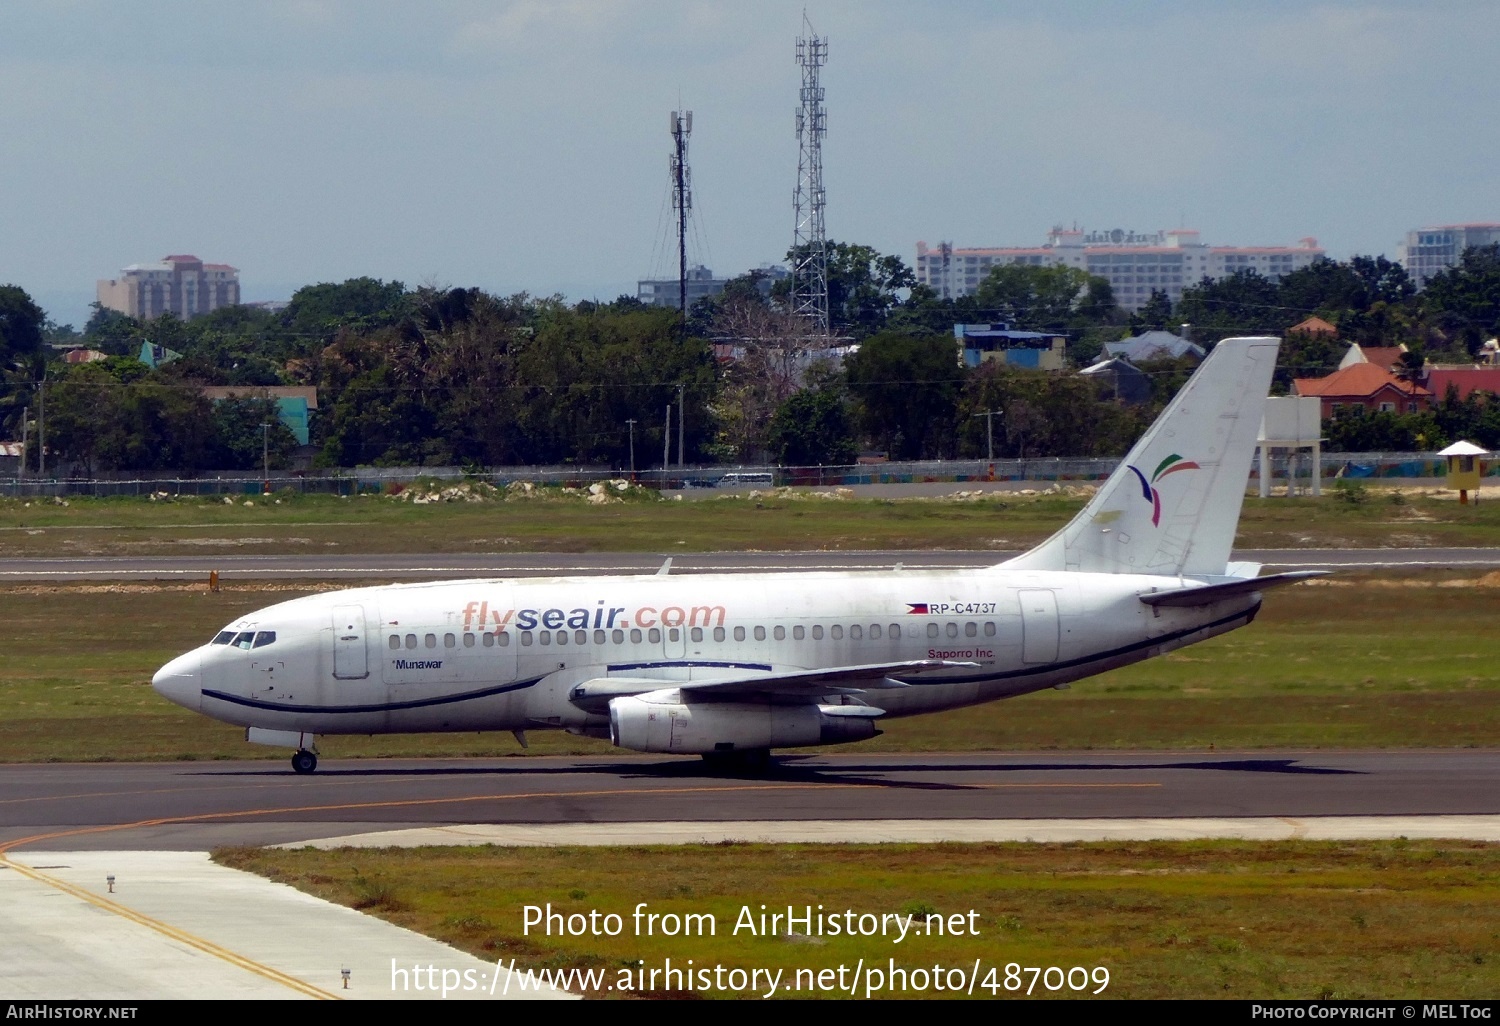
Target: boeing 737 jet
column 731, row 666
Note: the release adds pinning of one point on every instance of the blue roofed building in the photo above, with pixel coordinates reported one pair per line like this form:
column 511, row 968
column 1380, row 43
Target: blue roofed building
column 999, row 343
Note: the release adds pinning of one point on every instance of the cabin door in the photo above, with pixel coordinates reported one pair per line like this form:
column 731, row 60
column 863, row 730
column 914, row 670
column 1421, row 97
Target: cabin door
column 351, row 656
column 1039, row 626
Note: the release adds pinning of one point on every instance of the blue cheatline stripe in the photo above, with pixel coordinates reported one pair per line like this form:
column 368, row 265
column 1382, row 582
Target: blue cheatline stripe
column 687, row 662
column 421, row 703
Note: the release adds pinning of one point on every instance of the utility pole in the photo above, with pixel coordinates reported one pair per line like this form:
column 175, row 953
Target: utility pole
column 666, row 446
column 631, row 425
column 25, row 433
column 681, row 420
column 41, row 427
column 265, row 457
column 989, row 431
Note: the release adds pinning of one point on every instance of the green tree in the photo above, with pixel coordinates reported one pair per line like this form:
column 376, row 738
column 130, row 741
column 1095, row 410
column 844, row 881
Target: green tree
column 1243, row 303
column 905, row 388
column 813, row 428
column 1032, row 297
column 864, row 286
column 21, row 323
column 1464, row 300
column 244, row 424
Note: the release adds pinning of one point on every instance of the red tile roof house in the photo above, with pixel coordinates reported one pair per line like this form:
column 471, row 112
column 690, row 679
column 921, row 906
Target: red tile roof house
column 1366, row 386
column 1463, row 379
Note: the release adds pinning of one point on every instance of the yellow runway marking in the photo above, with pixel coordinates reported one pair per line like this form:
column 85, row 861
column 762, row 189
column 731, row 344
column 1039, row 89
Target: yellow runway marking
column 172, row 932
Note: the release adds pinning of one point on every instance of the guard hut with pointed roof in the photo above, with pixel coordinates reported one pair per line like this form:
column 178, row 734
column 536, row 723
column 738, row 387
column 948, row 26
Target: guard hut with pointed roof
column 1464, row 468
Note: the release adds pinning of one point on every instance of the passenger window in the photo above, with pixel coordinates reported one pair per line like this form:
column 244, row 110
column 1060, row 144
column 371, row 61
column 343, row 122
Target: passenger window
column 655, row 636
column 468, row 640
column 895, row 630
column 411, row 641
column 953, row 630
column 598, row 637
column 489, row 640
column 836, row 632
column 718, row 634
column 798, row 633
column 635, row 636
column 856, row 632
column 395, row 641
column 971, row 630
column 580, row 637
column 504, row 639
column 989, row 630
column 526, row 639
column 760, row 634
column 779, row 634
column 874, row 630
column 449, row 641
column 545, row 637
column 674, row 633
column 430, row 640
column 817, row 632
column 264, row 638
column 617, row 636
column 932, row 630
column 697, row 633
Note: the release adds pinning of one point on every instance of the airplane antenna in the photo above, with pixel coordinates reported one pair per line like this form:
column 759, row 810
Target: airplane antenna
column 809, row 242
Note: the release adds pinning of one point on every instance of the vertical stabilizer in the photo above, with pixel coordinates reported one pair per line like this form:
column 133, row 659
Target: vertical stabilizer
column 1173, row 505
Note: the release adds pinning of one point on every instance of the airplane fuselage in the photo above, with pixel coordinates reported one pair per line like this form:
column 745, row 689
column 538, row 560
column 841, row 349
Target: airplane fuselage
column 481, row 655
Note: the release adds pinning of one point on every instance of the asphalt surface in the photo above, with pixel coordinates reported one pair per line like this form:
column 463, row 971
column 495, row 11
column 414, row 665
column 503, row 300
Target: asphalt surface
column 546, row 564
column 188, row 806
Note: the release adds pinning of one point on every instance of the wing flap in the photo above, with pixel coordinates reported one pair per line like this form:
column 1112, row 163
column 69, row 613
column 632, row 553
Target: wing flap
column 798, row 683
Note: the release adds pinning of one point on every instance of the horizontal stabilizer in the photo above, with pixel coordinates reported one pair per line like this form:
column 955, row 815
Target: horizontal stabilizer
column 1204, row 594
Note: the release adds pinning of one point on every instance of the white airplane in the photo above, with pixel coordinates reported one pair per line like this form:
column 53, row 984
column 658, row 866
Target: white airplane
column 730, row 666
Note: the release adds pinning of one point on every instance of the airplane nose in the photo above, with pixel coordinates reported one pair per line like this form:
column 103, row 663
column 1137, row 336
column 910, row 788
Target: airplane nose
column 179, row 682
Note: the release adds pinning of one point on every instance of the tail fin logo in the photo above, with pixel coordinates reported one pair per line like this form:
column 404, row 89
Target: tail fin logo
column 1171, row 465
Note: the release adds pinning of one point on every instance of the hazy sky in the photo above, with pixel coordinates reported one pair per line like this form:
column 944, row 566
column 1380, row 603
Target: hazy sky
column 523, row 145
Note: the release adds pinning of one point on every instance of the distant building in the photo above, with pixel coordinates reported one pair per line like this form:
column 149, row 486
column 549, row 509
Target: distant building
column 998, row 343
column 1385, row 357
column 701, row 284
column 1134, row 263
column 294, row 403
column 1126, row 382
column 1364, row 386
column 1152, row 345
column 182, row 285
column 1428, row 251
column 84, row 356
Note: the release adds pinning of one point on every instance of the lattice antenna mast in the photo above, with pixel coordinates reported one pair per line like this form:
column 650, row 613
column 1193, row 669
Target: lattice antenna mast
column 809, row 243
column 682, row 199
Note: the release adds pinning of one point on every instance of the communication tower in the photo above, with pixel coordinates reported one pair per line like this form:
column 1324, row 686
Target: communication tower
column 809, row 243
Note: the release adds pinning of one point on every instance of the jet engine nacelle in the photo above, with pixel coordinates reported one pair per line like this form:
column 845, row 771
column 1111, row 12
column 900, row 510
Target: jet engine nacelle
column 703, row 728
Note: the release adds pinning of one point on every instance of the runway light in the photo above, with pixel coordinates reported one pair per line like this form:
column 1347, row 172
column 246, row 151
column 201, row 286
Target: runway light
column 110, row 879
column 345, row 974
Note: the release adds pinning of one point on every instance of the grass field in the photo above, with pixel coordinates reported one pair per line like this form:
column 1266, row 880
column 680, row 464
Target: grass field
column 552, row 521
column 1302, row 920
column 1357, row 660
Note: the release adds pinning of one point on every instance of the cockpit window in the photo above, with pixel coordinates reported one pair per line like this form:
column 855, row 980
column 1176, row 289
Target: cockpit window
column 264, row 638
column 222, row 638
column 244, row 639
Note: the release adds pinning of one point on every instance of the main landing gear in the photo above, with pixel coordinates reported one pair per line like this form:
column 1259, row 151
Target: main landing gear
column 304, row 761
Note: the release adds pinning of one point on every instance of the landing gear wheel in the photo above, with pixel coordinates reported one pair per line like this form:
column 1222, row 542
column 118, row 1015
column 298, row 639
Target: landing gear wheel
column 304, row 761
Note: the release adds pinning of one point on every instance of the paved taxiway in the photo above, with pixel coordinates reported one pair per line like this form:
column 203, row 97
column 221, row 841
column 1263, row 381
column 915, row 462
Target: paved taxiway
column 175, row 806
column 178, row 926
column 537, row 564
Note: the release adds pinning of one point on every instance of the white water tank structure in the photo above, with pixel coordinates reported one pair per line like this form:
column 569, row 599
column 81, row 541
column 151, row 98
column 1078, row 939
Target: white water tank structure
column 1293, row 423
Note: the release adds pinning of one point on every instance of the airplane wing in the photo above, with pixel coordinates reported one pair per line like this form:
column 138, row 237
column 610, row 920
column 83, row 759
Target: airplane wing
column 1202, row 595
column 796, row 683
